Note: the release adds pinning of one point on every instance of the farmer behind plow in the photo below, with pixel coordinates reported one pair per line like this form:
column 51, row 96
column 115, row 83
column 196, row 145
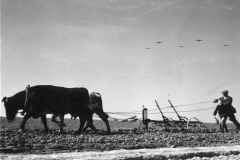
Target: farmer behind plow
column 225, row 110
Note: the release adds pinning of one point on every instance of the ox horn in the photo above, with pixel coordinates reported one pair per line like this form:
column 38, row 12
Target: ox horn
column 4, row 99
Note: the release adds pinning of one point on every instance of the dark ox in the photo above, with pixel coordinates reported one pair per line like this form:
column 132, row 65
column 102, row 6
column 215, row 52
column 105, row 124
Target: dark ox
column 47, row 99
column 95, row 106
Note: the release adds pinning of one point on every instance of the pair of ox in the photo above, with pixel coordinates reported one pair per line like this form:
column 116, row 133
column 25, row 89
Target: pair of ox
column 59, row 101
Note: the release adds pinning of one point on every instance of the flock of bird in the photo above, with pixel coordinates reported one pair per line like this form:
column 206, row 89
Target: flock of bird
column 198, row 40
column 180, row 78
column 112, row 88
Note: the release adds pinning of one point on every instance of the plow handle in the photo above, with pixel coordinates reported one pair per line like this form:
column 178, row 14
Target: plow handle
column 175, row 110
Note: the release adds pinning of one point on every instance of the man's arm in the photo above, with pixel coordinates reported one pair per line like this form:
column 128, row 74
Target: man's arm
column 215, row 112
column 215, row 100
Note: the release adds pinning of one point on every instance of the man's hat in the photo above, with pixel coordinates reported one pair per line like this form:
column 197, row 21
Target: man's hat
column 225, row 92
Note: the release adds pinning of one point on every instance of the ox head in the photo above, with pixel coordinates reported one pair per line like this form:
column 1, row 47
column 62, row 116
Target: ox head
column 95, row 101
column 11, row 108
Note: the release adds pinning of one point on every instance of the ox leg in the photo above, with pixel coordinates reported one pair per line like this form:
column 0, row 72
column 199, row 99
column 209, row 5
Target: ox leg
column 104, row 117
column 44, row 121
column 62, row 124
column 90, row 124
column 93, row 127
column 85, row 128
column 25, row 118
column 82, row 123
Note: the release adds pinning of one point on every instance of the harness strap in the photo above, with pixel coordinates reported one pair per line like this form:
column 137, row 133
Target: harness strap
column 25, row 103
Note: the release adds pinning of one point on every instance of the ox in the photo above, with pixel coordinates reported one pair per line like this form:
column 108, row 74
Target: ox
column 95, row 106
column 47, row 99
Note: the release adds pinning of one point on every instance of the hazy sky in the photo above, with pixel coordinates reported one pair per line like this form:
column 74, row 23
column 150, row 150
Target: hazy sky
column 102, row 45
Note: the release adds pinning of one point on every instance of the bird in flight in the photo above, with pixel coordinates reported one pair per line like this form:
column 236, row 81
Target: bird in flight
column 147, row 48
column 158, row 42
column 225, row 45
column 198, row 40
column 181, row 46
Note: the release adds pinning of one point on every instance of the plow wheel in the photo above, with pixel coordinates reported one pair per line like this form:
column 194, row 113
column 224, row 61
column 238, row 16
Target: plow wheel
column 194, row 125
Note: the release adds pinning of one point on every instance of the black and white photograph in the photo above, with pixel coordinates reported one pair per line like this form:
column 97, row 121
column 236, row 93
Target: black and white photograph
column 120, row 79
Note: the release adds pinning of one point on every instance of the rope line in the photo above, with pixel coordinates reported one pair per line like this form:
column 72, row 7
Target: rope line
column 137, row 112
column 122, row 114
column 187, row 111
column 182, row 105
column 192, row 104
column 158, row 112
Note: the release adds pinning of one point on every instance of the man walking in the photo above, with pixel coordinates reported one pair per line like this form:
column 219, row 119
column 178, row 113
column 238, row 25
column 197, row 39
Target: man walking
column 226, row 103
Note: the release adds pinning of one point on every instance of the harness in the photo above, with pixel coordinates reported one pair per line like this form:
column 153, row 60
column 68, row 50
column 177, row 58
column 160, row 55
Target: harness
column 25, row 103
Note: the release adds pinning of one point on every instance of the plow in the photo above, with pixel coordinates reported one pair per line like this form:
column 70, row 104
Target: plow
column 191, row 125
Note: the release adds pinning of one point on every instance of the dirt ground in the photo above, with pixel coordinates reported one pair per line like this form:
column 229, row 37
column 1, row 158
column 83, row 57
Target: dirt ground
column 149, row 154
column 34, row 143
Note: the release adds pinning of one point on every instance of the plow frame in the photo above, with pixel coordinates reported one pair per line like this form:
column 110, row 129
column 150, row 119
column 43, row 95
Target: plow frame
column 192, row 125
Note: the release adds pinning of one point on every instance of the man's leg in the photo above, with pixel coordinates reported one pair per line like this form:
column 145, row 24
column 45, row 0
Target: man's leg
column 224, row 119
column 234, row 120
column 220, row 124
